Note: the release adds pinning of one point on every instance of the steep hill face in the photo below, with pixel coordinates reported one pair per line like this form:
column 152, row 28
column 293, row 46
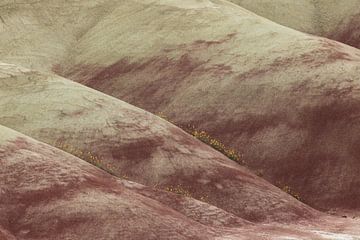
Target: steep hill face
column 286, row 100
column 338, row 20
column 137, row 145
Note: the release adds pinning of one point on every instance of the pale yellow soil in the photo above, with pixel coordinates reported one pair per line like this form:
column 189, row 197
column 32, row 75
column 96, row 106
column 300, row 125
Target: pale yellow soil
column 339, row 20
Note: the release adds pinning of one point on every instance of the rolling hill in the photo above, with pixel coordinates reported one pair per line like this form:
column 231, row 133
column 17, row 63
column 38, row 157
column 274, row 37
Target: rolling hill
column 338, row 20
column 133, row 144
column 287, row 101
column 50, row 194
column 82, row 82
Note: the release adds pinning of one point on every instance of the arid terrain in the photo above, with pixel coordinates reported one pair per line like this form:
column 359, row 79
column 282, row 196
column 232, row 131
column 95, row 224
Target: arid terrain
column 179, row 119
column 338, row 20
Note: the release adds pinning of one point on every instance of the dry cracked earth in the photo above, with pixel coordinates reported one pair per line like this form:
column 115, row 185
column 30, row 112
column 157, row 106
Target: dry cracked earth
column 180, row 119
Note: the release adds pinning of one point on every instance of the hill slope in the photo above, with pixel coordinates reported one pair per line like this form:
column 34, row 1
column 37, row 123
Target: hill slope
column 49, row 194
column 338, row 20
column 286, row 100
column 131, row 143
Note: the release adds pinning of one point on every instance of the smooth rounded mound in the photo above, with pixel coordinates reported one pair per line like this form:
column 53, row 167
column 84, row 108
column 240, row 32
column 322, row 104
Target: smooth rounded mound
column 287, row 101
column 338, row 20
column 49, row 194
column 136, row 145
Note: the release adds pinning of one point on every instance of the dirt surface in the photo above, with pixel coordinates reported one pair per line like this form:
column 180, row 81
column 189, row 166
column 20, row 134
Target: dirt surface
column 136, row 145
column 338, row 20
column 50, row 194
column 287, row 101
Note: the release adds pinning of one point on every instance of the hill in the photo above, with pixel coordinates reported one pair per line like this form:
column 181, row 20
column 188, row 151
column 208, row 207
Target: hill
column 133, row 144
column 338, row 20
column 50, row 194
column 287, row 101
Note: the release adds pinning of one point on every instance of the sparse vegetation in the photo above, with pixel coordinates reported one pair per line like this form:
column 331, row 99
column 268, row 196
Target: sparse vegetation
column 207, row 139
column 290, row 191
column 214, row 143
column 180, row 190
column 259, row 173
column 89, row 157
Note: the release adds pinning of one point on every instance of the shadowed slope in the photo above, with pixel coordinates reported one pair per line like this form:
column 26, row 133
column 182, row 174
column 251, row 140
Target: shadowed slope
column 286, row 100
column 338, row 20
column 132, row 143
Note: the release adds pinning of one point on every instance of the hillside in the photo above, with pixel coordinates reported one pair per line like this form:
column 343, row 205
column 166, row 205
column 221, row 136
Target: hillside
column 99, row 101
column 52, row 195
column 285, row 100
column 131, row 143
column 338, row 20
column 49, row 194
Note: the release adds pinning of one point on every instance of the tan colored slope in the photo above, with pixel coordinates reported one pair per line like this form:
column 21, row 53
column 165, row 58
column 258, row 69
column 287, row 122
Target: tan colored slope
column 137, row 145
column 51, row 25
column 286, row 100
column 338, row 20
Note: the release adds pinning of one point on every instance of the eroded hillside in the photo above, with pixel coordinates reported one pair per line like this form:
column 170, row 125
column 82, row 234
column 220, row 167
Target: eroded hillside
column 287, row 102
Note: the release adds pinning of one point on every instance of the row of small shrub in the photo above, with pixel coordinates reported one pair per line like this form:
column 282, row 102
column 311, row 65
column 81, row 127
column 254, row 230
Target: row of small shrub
column 219, row 146
column 207, row 139
column 214, row 143
column 87, row 156
column 180, row 190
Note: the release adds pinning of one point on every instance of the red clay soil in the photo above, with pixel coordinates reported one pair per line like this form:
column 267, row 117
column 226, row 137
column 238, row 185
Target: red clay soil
column 137, row 145
column 49, row 194
column 287, row 101
column 5, row 235
column 200, row 211
column 349, row 32
column 290, row 109
column 328, row 109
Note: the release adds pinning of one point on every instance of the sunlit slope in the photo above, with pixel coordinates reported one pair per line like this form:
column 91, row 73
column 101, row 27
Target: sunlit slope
column 338, row 20
column 287, row 101
column 135, row 144
column 38, row 33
